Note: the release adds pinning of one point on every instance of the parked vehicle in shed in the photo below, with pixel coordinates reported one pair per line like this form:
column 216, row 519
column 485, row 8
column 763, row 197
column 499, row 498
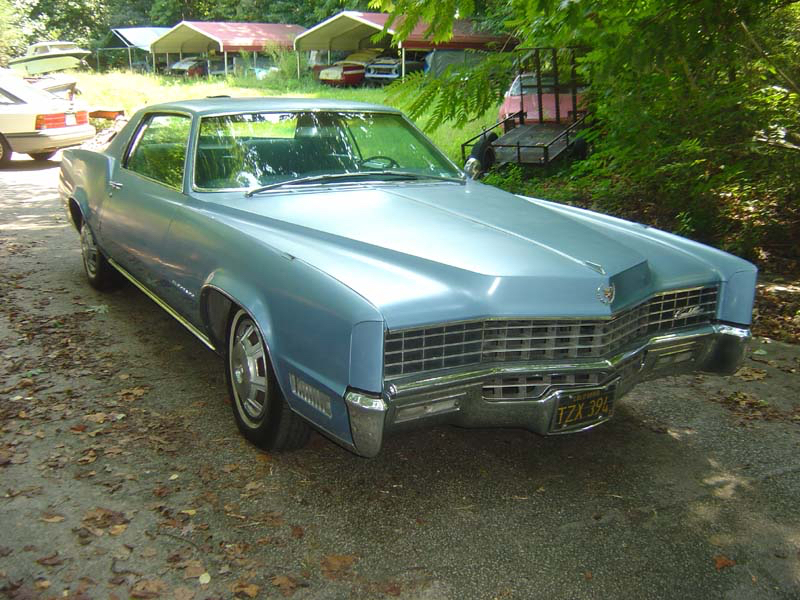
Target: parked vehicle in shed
column 350, row 71
column 386, row 69
column 194, row 66
column 356, row 281
column 37, row 123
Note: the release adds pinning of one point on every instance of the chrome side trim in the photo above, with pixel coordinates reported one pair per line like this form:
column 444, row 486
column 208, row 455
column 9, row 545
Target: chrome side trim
column 169, row 310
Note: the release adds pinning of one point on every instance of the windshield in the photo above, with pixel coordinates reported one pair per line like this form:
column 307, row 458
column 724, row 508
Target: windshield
column 261, row 149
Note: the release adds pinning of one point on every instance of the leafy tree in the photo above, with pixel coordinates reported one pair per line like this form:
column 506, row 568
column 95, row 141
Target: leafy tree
column 74, row 20
column 11, row 36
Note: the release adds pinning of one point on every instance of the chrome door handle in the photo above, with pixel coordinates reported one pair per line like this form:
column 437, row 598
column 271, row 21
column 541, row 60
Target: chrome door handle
column 115, row 184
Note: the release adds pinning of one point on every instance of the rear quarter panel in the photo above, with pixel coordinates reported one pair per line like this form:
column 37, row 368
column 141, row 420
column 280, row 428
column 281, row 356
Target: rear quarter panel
column 84, row 178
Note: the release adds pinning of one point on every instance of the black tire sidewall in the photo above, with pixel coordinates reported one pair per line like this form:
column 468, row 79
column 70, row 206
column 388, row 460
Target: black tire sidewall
column 264, row 431
column 105, row 277
column 5, row 158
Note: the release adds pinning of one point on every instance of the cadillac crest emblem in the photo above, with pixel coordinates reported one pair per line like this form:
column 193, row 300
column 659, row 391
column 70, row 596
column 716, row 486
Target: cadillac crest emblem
column 606, row 294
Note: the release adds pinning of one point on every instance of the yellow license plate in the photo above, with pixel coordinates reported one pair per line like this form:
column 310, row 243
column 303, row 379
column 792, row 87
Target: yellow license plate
column 582, row 408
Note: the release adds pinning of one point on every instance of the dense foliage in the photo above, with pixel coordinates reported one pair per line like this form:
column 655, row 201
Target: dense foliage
column 695, row 108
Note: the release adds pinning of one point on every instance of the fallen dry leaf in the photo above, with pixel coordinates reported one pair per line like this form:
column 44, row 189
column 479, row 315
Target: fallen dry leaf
column 99, row 518
column 182, row 593
column 335, row 566
column 723, row 562
column 118, row 529
column 51, row 518
column 193, row 569
column 148, row 588
column 750, row 374
column 98, row 418
column 297, row 532
column 243, row 588
column 50, row 561
column 285, row 584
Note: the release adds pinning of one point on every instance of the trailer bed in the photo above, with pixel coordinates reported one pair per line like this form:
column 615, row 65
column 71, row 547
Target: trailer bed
column 532, row 143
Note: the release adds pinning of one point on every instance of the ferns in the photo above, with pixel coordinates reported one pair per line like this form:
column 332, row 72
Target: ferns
column 460, row 95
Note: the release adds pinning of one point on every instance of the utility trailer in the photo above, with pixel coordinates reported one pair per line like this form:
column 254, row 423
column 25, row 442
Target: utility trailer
column 540, row 116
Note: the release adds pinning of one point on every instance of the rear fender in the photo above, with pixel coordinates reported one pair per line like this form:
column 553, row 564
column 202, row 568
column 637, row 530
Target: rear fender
column 83, row 185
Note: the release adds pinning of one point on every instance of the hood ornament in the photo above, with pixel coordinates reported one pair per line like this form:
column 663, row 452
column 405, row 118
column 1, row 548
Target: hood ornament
column 606, row 294
column 595, row 266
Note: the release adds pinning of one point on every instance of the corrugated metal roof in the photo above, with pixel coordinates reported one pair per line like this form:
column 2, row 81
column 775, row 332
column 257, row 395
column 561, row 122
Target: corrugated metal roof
column 352, row 30
column 138, row 37
column 202, row 36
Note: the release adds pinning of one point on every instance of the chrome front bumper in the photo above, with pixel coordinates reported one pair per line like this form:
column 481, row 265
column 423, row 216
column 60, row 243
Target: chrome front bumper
column 455, row 397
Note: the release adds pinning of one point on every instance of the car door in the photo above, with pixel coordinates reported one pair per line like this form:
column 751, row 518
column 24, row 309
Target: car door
column 145, row 188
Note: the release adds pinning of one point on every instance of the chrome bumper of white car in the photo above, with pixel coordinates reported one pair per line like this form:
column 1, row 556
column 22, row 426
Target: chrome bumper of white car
column 456, row 397
column 47, row 140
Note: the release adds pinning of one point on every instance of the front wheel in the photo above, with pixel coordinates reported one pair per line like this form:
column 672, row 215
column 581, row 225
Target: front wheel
column 261, row 412
column 99, row 272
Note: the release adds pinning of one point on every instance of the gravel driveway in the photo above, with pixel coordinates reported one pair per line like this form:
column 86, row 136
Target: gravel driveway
column 123, row 475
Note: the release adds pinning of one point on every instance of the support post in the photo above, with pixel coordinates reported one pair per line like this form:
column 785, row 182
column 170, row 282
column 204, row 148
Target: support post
column 225, row 58
column 130, row 59
column 538, row 60
column 402, row 62
column 297, row 54
column 574, row 86
column 556, row 87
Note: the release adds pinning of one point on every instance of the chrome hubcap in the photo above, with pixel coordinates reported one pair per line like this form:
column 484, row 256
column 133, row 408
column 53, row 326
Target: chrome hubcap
column 248, row 364
column 89, row 251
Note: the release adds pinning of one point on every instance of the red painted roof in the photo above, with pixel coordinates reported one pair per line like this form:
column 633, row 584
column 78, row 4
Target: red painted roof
column 351, row 29
column 464, row 31
column 236, row 37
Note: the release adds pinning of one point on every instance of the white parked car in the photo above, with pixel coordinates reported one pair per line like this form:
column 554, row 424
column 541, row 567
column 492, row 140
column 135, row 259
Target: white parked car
column 37, row 123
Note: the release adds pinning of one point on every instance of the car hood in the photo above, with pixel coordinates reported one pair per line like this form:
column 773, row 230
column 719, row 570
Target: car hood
column 428, row 253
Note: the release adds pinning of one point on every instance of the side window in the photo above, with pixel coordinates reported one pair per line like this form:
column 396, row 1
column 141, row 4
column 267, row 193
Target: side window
column 159, row 149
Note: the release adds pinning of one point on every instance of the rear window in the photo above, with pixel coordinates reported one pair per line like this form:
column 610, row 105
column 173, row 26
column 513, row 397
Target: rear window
column 159, row 149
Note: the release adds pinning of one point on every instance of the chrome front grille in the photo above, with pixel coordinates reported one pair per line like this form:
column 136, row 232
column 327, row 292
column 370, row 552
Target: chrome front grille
column 526, row 340
column 508, row 388
column 531, row 386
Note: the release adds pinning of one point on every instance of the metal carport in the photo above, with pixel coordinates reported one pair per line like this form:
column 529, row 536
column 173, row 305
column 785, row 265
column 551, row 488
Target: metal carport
column 201, row 37
column 130, row 39
column 352, row 30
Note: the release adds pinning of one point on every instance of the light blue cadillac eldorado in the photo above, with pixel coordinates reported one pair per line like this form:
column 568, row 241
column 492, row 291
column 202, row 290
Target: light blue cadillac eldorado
column 355, row 280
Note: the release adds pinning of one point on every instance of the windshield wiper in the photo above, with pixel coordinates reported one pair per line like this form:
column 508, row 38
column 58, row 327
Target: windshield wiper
column 356, row 175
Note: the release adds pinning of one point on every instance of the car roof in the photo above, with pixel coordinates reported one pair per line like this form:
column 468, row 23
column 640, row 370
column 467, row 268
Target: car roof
column 212, row 106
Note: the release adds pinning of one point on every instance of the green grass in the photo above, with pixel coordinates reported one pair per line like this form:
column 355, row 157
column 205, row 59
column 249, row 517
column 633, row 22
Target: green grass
column 131, row 91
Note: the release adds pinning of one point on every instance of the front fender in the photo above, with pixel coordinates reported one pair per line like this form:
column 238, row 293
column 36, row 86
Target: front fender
column 314, row 328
